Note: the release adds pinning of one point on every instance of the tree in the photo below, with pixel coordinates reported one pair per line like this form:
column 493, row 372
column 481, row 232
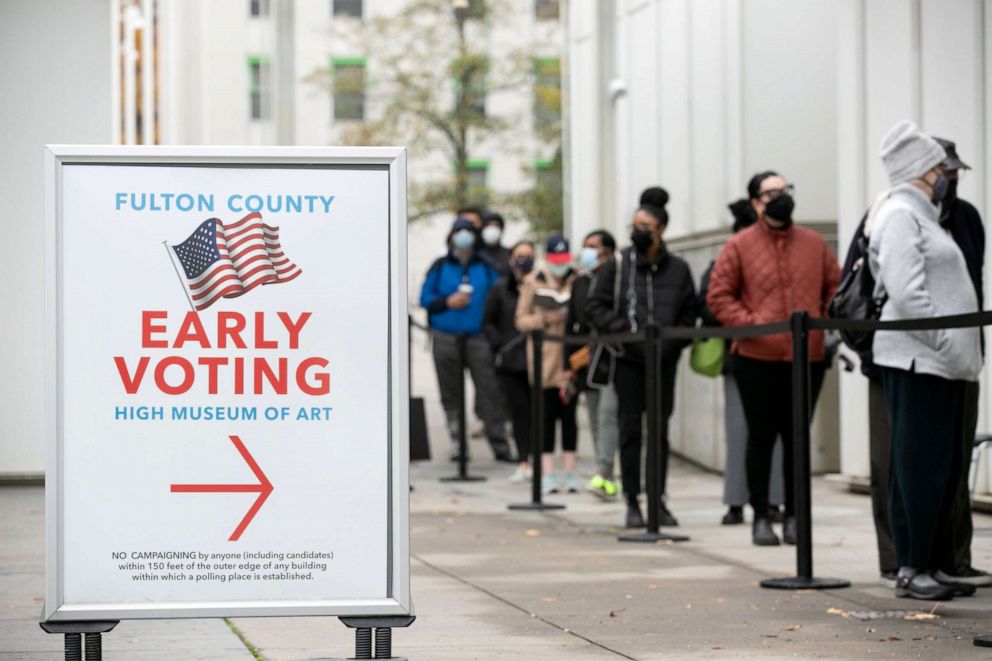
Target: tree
column 426, row 87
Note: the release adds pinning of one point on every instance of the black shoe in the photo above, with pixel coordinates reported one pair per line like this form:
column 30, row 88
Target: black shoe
column 775, row 514
column 762, row 533
column 916, row 587
column 665, row 517
column 733, row 517
column 502, row 451
column 789, row 530
column 634, row 518
column 960, row 589
column 889, row 578
column 965, row 574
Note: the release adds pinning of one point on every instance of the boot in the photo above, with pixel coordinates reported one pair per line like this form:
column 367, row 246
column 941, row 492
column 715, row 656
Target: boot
column 789, row 530
column 734, row 516
column 665, row 517
column 762, row 533
column 634, row 518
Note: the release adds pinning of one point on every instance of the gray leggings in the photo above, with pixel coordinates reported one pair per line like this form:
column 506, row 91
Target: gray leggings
column 479, row 362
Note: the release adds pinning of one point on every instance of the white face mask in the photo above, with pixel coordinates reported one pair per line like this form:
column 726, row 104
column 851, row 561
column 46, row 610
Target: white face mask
column 559, row 270
column 589, row 258
column 491, row 235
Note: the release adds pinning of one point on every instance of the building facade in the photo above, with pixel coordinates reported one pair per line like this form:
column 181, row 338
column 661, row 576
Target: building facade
column 697, row 95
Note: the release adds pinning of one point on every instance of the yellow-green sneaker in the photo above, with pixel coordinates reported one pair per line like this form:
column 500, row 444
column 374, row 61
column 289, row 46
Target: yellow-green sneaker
column 595, row 484
column 610, row 489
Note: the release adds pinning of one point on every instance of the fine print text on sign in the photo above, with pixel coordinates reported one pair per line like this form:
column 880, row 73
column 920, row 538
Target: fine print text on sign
column 227, row 332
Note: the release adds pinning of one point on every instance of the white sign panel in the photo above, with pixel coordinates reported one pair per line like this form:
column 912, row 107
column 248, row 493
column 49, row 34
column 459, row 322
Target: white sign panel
column 227, row 382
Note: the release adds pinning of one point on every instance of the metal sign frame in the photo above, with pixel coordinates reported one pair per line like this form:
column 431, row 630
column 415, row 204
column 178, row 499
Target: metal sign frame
column 393, row 159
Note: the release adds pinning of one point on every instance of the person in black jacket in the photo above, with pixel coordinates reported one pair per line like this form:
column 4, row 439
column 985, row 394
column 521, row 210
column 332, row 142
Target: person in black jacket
column 509, row 351
column 492, row 233
column 655, row 286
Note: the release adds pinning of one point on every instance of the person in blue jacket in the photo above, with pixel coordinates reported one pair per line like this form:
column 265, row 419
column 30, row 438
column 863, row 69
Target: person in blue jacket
column 454, row 295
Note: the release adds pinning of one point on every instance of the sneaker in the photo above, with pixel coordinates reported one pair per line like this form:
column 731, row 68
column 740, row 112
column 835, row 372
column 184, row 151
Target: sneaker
column 733, row 517
column 571, row 483
column 775, row 514
column 595, row 484
column 965, row 574
column 502, row 450
column 889, row 578
column 665, row 517
column 921, row 585
column 610, row 490
column 762, row 533
column 549, row 484
column 960, row 589
column 521, row 475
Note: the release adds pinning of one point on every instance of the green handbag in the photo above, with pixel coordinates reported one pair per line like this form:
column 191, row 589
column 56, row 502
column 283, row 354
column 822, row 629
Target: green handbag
column 706, row 357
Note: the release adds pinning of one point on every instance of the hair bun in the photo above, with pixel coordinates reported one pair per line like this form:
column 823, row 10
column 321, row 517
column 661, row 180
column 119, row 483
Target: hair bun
column 655, row 196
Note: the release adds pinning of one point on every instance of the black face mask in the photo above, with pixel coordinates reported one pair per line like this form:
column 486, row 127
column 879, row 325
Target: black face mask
column 642, row 239
column 780, row 209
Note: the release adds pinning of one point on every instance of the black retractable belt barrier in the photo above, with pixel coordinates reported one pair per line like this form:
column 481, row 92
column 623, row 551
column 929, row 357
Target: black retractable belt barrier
column 463, row 475
column 653, row 395
column 804, row 579
column 536, row 430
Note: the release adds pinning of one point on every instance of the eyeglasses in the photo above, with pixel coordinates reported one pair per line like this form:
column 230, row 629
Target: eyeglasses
column 768, row 195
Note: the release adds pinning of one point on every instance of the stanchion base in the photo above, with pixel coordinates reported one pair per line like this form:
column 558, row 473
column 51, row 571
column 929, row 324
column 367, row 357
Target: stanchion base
column 352, row 658
column 535, row 507
column 805, row 583
column 983, row 641
column 651, row 537
column 466, row 478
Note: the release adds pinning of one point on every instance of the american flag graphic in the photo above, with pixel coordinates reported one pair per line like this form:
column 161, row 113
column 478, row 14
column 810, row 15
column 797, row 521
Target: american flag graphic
column 225, row 261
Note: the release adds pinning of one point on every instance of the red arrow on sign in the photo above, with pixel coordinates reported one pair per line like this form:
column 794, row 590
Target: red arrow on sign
column 263, row 488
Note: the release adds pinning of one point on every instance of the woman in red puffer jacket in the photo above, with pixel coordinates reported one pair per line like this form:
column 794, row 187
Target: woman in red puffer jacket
column 763, row 274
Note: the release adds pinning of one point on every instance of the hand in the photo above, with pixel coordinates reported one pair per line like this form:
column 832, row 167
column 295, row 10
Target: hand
column 457, row 301
column 554, row 316
column 564, row 378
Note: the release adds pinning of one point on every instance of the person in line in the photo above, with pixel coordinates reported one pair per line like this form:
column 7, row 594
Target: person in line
column 492, row 234
column 763, row 274
column 454, row 294
column 471, row 214
column 735, row 494
column 919, row 271
column 509, row 352
column 602, row 406
column 544, row 295
column 965, row 225
column 654, row 286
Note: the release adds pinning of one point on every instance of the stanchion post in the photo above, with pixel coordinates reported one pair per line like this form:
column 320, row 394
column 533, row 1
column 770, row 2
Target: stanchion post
column 804, row 579
column 536, row 429
column 463, row 475
column 653, row 395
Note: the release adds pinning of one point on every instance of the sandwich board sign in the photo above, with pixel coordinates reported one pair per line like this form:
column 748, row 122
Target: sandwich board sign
column 227, row 391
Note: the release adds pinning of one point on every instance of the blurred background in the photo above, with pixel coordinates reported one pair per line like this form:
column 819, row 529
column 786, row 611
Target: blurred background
column 556, row 113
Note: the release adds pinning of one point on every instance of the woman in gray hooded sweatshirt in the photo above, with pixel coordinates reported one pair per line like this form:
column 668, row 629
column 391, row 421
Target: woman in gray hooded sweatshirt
column 920, row 273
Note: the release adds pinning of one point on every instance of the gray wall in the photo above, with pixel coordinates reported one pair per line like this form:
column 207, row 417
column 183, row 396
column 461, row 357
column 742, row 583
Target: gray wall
column 55, row 85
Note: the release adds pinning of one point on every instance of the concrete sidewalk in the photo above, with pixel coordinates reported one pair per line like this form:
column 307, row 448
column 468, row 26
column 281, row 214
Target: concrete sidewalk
column 493, row 584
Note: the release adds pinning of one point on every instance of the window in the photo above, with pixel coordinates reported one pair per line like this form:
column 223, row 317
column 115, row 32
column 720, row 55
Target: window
column 349, row 87
column 547, row 93
column 475, row 93
column 259, row 88
column 476, row 8
column 478, row 174
column 546, row 10
column 547, row 176
column 258, row 7
column 347, row 8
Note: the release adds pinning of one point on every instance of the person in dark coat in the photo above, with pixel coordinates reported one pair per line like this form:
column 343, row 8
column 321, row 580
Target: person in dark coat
column 492, row 248
column 655, row 286
column 509, row 351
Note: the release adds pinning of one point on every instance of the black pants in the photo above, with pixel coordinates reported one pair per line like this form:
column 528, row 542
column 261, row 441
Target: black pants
column 926, row 414
column 629, row 382
column 766, row 393
column 554, row 410
column 961, row 525
column 880, row 452
column 516, row 394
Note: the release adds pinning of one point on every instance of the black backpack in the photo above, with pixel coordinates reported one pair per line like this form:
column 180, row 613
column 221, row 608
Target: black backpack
column 855, row 297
